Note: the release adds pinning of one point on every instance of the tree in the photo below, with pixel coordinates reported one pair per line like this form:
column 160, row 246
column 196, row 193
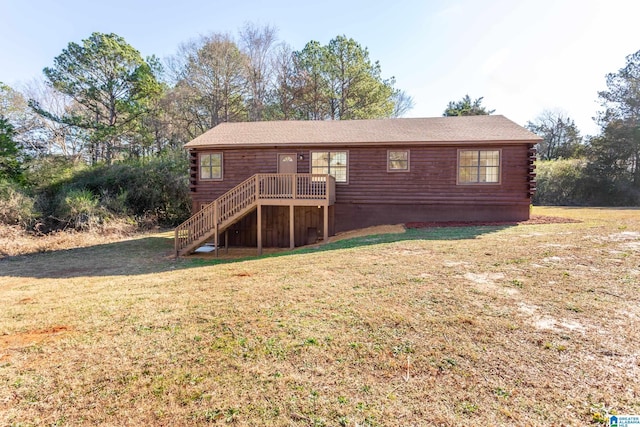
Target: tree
column 467, row 107
column 257, row 44
column 12, row 103
column 403, row 103
column 285, row 89
column 16, row 112
column 615, row 154
column 312, row 100
column 43, row 136
column 10, row 167
column 339, row 82
column 357, row 90
column 209, row 75
column 560, row 135
column 111, row 83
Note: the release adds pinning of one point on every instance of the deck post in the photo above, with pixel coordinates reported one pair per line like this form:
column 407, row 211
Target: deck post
column 294, row 186
column 292, row 237
column 325, row 231
column 257, row 189
column 216, row 240
column 259, row 229
column 226, row 241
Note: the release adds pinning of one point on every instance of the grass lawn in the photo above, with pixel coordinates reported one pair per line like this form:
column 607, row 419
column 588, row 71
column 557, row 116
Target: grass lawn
column 465, row 326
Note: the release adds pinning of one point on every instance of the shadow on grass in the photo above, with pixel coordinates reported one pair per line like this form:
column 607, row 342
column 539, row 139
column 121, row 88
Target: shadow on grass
column 137, row 256
column 434, row 233
column 154, row 254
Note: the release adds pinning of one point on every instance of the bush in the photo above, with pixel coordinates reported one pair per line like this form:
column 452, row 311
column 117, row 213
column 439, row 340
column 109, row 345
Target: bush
column 80, row 209
column 50, row 172
column 561, row 182
column 16, row 207
column 151, row 192
column 575, row 182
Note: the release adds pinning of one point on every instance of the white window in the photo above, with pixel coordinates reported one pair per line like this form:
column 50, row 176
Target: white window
column 211, row 166
column 334, row 163
column 398, row 161
column 478, row 166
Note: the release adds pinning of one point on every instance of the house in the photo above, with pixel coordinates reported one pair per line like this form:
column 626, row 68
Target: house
column 288, row 183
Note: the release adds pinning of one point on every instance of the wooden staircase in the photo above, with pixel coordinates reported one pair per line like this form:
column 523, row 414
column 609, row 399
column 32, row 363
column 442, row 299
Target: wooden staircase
column 260, row 189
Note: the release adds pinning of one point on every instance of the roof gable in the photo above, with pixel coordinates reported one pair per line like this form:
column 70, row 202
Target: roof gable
column 436, row 130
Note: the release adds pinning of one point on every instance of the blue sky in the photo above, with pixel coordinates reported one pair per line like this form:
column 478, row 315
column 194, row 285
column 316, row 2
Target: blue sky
column 521, row 56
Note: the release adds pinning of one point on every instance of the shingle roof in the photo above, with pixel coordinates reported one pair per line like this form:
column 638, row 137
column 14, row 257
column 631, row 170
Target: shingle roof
column 435, row 130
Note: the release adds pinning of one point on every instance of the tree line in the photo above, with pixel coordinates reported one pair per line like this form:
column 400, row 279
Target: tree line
column 598, row 170
column 101, row 136
column 103, row 101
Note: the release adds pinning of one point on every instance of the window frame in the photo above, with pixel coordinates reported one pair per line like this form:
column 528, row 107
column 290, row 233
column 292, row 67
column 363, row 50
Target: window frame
column 478, row 166
column 346, row 181
column 407, row 169
column 210, row 167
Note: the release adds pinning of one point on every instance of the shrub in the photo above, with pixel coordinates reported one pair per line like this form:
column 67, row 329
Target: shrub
column 577, row 182
column 80, row 209
column 50, row 172
column 151, row 192
column 16, row 207
column 561, row 182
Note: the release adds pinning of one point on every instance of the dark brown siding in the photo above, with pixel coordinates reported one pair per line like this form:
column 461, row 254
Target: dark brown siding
column 239, row 165
column 432, row 178
column 352, row 216
column 428, row 192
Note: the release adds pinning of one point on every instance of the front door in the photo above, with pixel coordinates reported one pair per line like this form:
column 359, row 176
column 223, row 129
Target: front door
column 287, row 163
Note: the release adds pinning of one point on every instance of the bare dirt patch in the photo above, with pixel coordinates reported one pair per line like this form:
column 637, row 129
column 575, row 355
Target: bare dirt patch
column 24, row 339
column 369, row 231
column 533, row 220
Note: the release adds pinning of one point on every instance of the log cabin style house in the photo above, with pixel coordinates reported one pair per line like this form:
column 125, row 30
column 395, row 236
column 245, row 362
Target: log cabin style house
column 290, row 183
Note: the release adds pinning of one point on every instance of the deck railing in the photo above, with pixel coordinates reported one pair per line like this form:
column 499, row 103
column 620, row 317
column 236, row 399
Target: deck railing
column 233, row 204
column 236, row 200
column 296, row 186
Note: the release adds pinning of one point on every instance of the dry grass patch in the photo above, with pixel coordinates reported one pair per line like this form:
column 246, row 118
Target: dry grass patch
column 16, row 241
column 521, row 325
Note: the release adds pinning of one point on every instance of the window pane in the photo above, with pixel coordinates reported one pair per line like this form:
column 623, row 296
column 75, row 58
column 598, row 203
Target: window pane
column 398, row 155
column 468, row 158
column 340, row 174
column 320, row 170
column 339, row 158
column 319, row 159
column 398, row 164
column 333, row 163
column 398, row 160
column 489, row 158
column 483, row 174
column 479, row 166
column 488, row 174
column 469, row 174
column 211, row 166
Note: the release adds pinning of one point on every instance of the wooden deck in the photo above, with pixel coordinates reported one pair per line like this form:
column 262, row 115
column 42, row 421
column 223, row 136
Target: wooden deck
column 259, row 190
